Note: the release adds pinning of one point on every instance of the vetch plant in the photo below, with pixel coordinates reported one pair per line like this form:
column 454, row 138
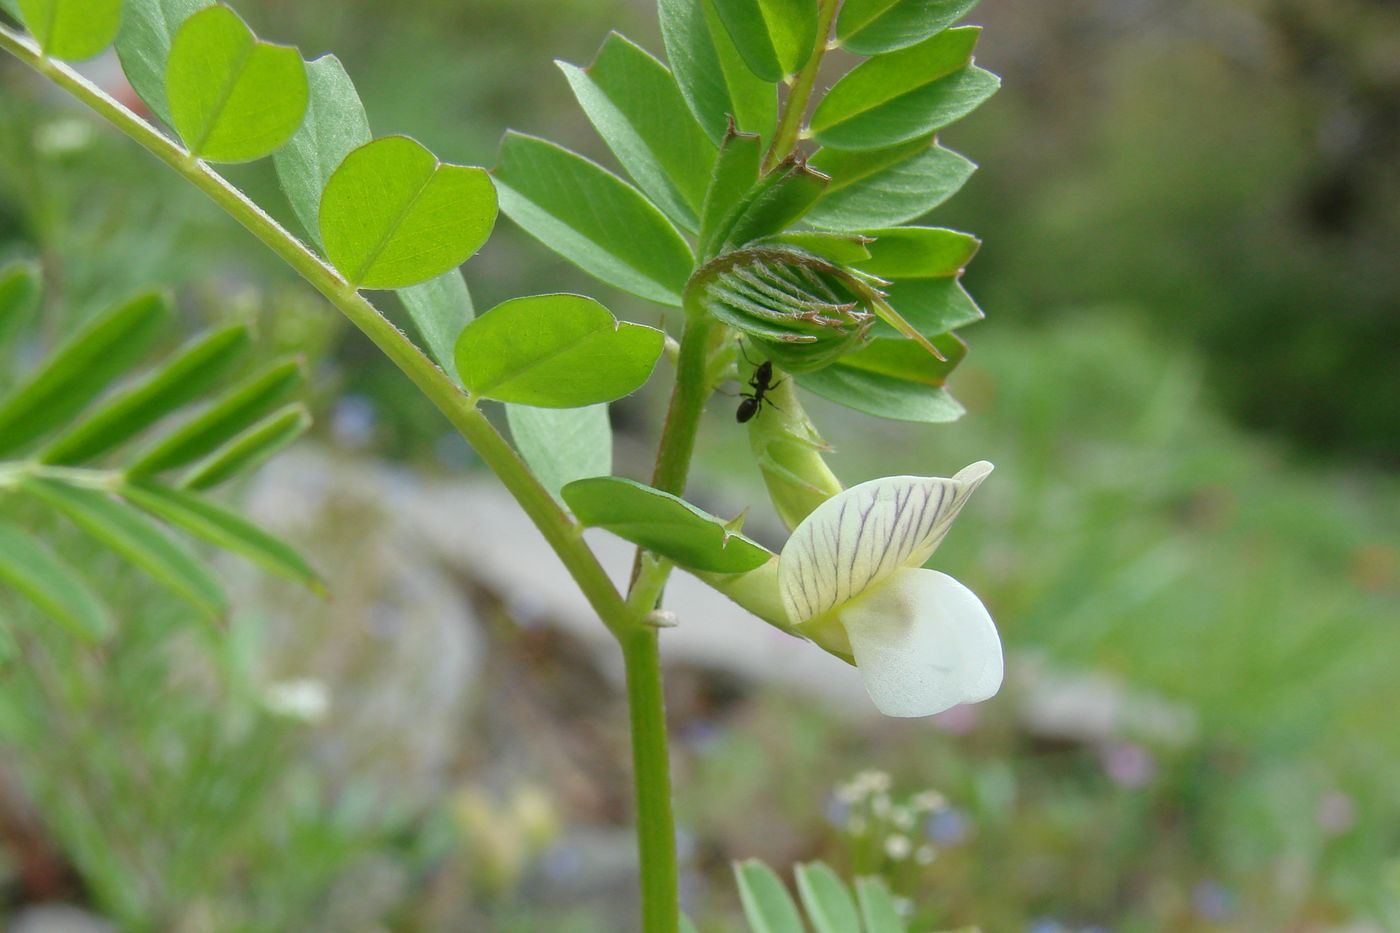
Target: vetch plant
column 774, row 215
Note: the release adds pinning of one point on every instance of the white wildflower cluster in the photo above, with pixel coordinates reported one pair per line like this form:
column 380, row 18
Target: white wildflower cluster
column 891, row 832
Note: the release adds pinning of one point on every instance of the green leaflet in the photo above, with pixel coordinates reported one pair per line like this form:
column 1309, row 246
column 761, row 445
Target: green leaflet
column 562, row 444
column 19, row 299
column 335, row 124
column 774, row 37
column 226, row 417
column 735, row 173
column 555, row 351
column 881, row 395
column 907, row 360
column 664, row 524
column 188, row 376
column 77, row 373
column 233, row 98
column 844, row 249
column 778, row 200
column 251, row 449
column 906, row 94
column 72, row 29
column 592, row 218
column 37, row 574
column 637, row 108
column 828, row 903
column 712, row 76
column 133, row 536
column 918, row 252
column 220, row 527
column 877, row 907
column 869, row 27
column 393, row 215
column 884, row 187
column 143, row 45
column 440, row 308
column 767, row 905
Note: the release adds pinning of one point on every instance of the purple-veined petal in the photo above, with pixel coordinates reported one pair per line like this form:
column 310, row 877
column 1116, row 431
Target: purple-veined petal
column 859, row 537
column 923, row 643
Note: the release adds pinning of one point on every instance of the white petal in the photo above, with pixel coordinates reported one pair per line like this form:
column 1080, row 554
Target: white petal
column 857, row 538
column 923, row 642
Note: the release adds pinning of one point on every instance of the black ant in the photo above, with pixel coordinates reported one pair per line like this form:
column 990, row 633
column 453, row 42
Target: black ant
column 762, row 383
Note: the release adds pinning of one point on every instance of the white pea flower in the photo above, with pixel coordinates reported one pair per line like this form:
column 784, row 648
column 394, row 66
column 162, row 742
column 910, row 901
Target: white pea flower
column 851, row 577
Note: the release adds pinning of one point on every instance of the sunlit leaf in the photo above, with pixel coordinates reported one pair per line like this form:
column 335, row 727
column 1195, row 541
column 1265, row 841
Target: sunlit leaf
column 134, row 537
column 393, row 215
column 335, row 124
column 36, row 573
column 767, row 905
column 918, row 252
column 663, row 523
column 220, row 527
column 869, row 27
column 877, row 906
column 78, row 372
column 250, row 449
column 233, row 98
column 226, row 417
column 638, row 109
column 555, row 351
column 72, row 29
column 712, row 76
column 775, row 37
column 562, row 444
column 190, row 375
column 143, row 45
column 592, row 218
column 829, row 904
column 881, row 395
column 903, row 95
column 440, row 308
column 884, row 187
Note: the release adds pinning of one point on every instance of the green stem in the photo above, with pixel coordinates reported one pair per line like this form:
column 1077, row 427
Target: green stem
column 800, row 94
column 556, row 525
column 651, row 767
column 687, row 405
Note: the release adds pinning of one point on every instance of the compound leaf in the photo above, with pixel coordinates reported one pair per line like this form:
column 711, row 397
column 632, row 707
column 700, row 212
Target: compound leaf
column 187, row 377
column 136, row 538
column 663, row 523
column 393, row 215
column 250, row 449
column 220, row 527
column 225, row 418
column 592, row 218
column 77, row 373
column 555, row 351
column 233, row 97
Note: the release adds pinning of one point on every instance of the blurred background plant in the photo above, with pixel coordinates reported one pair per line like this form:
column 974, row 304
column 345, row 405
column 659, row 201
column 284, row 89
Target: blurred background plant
column 1191, row 213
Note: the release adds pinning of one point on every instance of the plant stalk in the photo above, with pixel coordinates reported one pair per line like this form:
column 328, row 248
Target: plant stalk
column 651, row 767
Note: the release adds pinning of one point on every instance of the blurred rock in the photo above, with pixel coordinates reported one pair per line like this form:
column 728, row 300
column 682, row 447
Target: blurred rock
column 59, row 918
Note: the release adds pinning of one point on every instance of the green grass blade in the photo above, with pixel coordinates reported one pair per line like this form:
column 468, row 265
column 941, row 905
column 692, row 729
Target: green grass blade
column 222, row 528
column 250, row 449
column 77, row 373
column 133, row 536
column 227, row 417
column 190, row 375
column 36, row 573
